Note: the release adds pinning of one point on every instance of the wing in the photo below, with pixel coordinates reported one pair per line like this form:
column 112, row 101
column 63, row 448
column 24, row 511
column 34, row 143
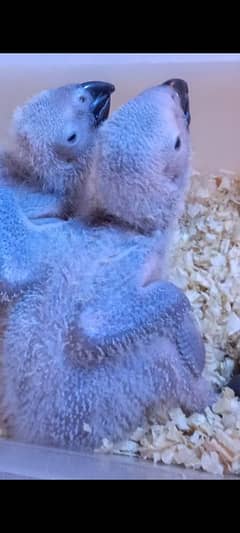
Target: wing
column 131, row 314
column 190, row 344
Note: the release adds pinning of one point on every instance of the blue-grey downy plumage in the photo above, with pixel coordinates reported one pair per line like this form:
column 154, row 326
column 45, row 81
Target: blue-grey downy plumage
column 95, row 338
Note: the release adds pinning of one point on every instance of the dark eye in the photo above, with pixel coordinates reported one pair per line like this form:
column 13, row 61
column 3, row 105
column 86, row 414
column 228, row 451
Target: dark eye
column 82, row 98
column 72, row 138
column 177, row 143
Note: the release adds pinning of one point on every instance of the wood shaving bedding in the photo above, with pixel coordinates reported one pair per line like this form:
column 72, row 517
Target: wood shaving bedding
column 206, row 265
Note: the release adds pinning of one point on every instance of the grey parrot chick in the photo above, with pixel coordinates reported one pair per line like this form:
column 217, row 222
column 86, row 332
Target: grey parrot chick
column 141, row 170
column 141, row 167
column 54, row 139
column 87, row 350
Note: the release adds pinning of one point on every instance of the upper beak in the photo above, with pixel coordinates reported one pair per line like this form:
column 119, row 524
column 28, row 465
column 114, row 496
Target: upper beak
column 181, row 87
column 101, row 92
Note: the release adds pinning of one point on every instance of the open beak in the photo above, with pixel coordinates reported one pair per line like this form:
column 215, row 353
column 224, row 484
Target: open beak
column 101, row 93
column 181, row 87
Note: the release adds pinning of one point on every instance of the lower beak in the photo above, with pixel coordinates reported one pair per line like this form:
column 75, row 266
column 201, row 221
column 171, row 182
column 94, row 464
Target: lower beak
column 101, row 107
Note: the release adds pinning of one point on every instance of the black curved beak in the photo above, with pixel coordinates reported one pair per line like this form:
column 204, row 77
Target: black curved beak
column 101, row 92
column 181, row 87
